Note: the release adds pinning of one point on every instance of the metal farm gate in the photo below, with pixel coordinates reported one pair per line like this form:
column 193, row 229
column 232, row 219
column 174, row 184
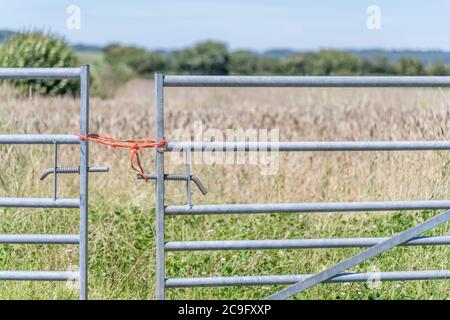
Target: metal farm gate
column 81, row 74
column 298, row 283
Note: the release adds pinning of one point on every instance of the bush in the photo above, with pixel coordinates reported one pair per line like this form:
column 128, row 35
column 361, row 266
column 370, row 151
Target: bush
column 409, row 67
column 439, row 69
column 294, row 65
column 243, row 63
column 38, row 49
column 139, row 60
column 331, row 63
column 205, row 58
column 108, row 78
column 378, row 66
column 270, row 66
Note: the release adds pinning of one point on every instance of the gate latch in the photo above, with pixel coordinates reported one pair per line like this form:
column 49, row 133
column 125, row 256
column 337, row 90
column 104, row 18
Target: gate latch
column 182, row 177
column 64, row 170
column 178, row 177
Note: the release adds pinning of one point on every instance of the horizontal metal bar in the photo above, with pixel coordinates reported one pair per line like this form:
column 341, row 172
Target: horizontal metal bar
column 296, row 243
column 310, row 146
column 307, row 81
column 290, row 279
column 39, row 238
column 39, row 275
column 40, row 73
column 308, row 207
column 39, row 203
column 38, row 139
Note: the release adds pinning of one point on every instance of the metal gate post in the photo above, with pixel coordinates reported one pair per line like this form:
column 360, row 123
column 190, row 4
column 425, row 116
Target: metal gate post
column 84, row 163
column 159, row 201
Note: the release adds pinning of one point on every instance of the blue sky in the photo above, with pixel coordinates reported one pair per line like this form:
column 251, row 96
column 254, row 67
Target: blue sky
column 249, row 24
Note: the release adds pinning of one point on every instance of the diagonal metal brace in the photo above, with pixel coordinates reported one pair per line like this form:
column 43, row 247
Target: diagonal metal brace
column 178, row 177
column 362, row 256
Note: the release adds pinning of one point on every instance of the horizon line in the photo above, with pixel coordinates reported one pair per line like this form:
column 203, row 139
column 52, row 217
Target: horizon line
column 234, row 49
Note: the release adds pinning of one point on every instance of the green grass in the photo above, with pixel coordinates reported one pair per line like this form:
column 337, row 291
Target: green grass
column 122, row 253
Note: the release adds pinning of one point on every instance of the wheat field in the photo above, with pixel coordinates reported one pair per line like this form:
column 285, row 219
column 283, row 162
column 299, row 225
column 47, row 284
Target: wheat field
column 122, row 248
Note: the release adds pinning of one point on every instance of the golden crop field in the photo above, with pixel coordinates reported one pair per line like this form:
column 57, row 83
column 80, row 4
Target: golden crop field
column 121, row 230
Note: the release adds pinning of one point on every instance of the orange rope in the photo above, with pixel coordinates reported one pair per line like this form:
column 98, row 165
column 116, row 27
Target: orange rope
column 135, row 145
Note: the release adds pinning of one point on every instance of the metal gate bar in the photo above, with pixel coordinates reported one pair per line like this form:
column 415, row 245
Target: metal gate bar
column 160, row 254
column 39, row 203
column 307, row 207
column 291, row 279
column 38, row 139
column 81, row 74
column 297, row 243
column 308, row 81
column 39, row 275
column 39, row 239
column 376, row 245
column 311, row 146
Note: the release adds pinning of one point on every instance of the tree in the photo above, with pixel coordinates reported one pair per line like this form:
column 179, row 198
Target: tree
column 377, row 66
column 294, row 65
column 270, row 66
column 243, row 63
column 138, row 59
column 409, row 67
column 38, row 49
column 332, row 62
column 439, row 69
column 205, row 58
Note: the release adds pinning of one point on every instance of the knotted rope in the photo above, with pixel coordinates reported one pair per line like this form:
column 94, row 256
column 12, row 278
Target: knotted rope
column 135, row 145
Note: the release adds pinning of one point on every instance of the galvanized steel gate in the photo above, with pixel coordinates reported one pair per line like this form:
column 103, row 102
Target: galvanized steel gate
column 81, row 74
column 300, row 282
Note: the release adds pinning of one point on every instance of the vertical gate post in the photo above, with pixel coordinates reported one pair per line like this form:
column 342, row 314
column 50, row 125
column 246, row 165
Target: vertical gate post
column 159, row 201
column 84, row 163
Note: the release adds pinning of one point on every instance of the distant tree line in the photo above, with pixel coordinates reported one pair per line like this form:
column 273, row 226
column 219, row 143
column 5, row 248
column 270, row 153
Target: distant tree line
column 118, row 64
column 214, row 58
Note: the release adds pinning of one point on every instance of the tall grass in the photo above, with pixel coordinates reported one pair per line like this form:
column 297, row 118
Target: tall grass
column 122, row 208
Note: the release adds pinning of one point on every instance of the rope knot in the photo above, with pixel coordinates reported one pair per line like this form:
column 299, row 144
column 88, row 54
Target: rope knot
column 135, row 145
